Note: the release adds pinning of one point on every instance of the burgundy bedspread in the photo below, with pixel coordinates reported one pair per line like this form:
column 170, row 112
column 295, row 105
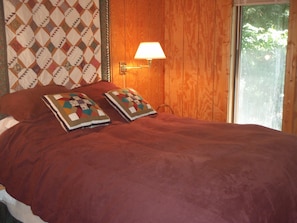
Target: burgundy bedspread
column 161, row 169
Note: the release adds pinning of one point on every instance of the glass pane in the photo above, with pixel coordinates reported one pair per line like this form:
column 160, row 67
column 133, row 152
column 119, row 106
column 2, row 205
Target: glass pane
column 261, row 71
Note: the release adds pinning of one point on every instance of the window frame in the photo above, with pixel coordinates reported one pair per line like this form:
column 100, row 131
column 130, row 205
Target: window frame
column 236, row 54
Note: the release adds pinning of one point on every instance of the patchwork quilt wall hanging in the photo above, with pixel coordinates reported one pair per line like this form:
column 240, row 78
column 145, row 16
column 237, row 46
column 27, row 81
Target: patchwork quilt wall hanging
column 51, row 41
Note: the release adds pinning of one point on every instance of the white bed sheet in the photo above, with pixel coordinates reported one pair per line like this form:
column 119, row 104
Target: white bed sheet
column 7, row 123
column 19, row 210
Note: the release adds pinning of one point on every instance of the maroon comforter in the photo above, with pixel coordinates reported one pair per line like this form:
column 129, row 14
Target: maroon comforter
column 160, row 169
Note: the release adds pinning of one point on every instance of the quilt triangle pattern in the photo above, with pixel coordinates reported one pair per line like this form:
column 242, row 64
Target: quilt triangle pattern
column 50, row 41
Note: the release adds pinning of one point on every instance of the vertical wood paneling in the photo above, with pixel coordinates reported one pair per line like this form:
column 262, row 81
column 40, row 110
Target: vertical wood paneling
column 174, row 33
column 168, row 50
column 117, row 35
column 222, row 55
column 191, row 56
column 290, row 99
column 132, row 22
column 132, row 38
column 197, row 37
column 206, row 59
column 196, row 69
column 151, row 28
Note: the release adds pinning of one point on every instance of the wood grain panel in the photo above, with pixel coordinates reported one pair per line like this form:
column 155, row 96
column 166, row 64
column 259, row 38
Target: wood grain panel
column 132, row 22
column 117, row 43
column 222, row 62
column 132, row 39
column 151, row 81
column 191, row 56
column 174, row 65
column 290, row 99
column 197, row 37
column 206, row 59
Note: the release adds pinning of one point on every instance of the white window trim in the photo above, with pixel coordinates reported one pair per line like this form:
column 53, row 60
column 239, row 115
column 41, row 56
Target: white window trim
column 259, row 2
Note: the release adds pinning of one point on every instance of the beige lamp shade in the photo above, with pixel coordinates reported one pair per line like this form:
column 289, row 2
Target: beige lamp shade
column 149, row 51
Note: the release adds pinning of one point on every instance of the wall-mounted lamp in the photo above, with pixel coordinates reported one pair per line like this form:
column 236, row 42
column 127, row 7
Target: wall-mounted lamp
column 147, row 51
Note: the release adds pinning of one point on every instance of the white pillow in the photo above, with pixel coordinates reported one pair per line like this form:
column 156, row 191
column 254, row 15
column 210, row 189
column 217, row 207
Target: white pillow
column 7, row 123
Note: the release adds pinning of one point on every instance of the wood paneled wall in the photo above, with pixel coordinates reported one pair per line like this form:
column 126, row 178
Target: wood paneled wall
column 198, row 41
column 196, row 37
column 132, row 22
column 290, row 99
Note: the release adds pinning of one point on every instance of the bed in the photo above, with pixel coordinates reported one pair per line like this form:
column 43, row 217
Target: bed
column 157, row 168
column 99, row 153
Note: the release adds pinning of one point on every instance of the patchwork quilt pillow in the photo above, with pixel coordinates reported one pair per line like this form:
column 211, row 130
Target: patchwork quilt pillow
column 129, row 103
column 76, row 110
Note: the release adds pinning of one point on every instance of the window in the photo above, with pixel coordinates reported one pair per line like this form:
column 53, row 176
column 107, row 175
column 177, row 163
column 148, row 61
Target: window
column 260, row 64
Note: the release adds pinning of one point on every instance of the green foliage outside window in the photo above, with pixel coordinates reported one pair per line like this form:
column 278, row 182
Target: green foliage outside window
column 262, row 64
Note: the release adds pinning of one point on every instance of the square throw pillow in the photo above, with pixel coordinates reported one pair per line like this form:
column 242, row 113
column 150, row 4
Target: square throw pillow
column 96, row 92
column 129, row 103
column 76, row 110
